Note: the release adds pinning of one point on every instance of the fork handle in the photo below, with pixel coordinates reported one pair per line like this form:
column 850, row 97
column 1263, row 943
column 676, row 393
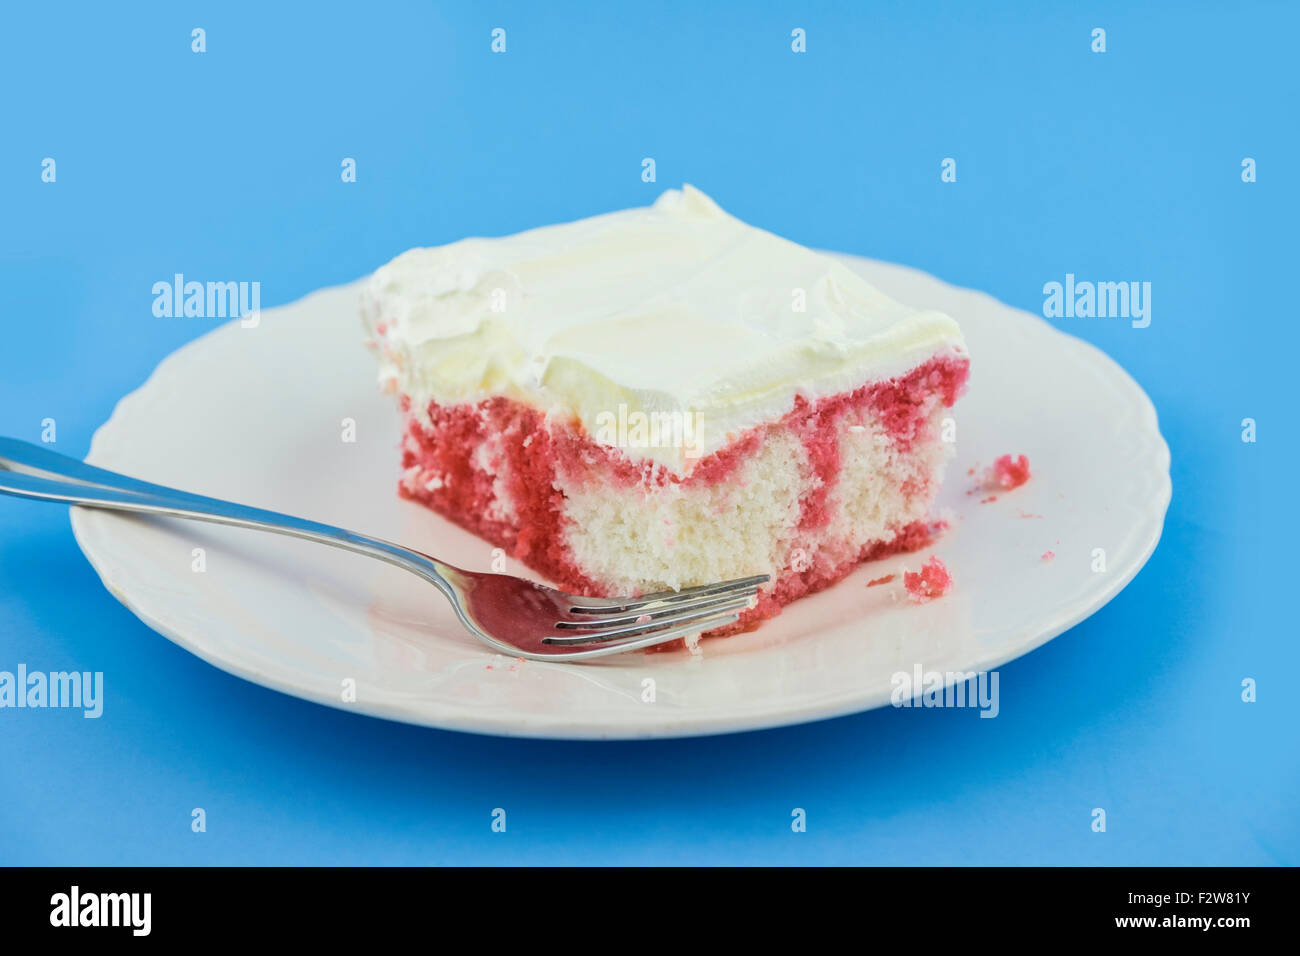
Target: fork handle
column 30, row 471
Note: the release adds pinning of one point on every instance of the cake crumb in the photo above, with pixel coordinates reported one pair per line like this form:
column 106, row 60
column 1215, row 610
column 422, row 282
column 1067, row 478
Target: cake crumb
column 885, row 580
column 932, row 581
column 1048, row 555
column 990, row 498
column 1008, row 473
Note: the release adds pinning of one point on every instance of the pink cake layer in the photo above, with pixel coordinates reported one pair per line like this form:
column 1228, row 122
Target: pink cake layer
column 515, row 499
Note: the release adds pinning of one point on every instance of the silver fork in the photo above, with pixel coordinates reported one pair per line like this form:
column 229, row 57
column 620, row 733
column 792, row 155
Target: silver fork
column 509, row 614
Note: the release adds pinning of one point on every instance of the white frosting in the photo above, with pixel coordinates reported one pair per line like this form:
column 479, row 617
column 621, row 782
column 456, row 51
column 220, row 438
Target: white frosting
column 677, row 311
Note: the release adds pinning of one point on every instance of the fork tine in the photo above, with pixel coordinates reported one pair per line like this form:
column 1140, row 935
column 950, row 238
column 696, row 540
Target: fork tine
column 650, row 640
column 688, row 619
column 659, row 614
column 608, row 605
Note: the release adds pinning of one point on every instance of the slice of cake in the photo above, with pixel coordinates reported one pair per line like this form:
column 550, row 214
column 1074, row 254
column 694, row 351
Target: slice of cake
column 663, row 397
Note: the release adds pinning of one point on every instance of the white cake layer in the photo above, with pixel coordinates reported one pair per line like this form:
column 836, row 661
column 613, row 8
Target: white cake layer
column 682, row 536
column 675, row 316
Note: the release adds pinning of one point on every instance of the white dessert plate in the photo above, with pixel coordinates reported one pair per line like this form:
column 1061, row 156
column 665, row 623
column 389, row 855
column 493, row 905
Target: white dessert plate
column 262, row 415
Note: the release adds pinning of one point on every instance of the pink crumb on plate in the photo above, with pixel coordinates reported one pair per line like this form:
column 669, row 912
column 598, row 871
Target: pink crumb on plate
column 1048, row 555
column 932, row 581
column 1009, row 473
column 885, row 580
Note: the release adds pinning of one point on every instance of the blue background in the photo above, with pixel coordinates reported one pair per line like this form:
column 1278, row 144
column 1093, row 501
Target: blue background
column 1123, row 165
